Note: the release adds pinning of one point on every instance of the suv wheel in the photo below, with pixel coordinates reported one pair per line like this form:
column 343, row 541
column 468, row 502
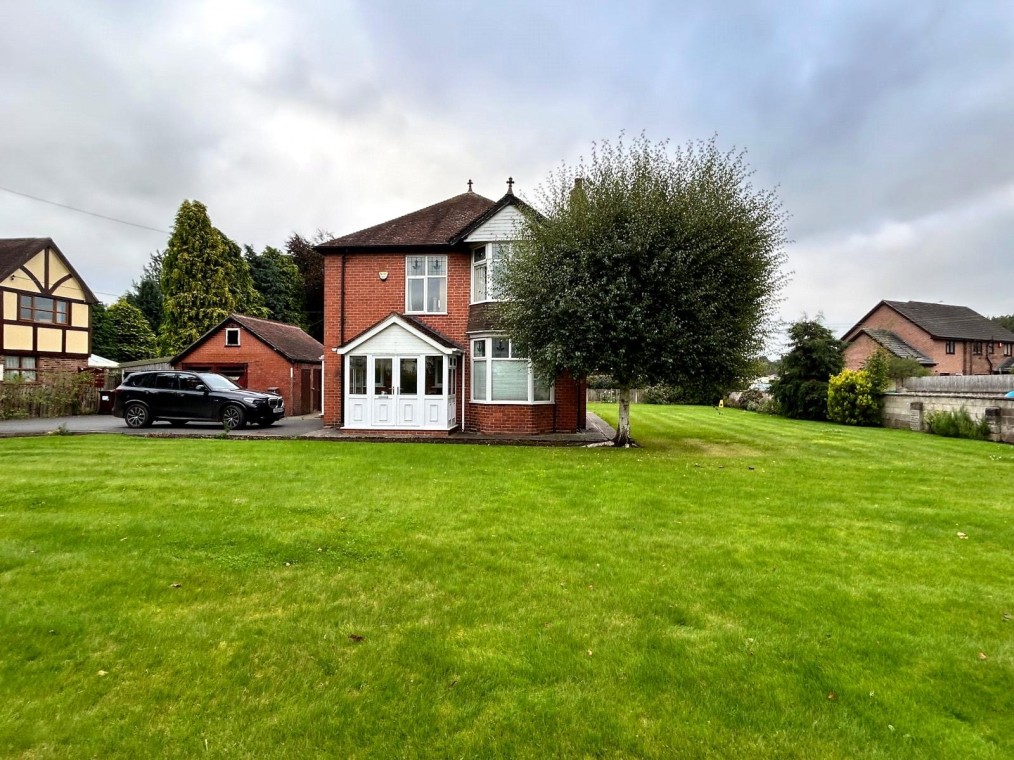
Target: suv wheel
column 136, row 415
column 233, row 417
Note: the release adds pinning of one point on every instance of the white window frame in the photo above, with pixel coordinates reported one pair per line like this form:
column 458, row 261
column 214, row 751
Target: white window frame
column 487, row 359
column 231, row 332
column 494, row 254
column 426, row 278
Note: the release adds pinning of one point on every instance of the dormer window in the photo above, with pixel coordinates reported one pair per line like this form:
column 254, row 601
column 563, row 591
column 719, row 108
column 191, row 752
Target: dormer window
column 426, row 284
column 232, row 336
column 487, row 266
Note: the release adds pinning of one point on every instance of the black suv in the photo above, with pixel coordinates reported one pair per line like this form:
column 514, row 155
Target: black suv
column 180, row 397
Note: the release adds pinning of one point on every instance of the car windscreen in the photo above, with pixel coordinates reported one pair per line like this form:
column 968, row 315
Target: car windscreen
column 217, row 382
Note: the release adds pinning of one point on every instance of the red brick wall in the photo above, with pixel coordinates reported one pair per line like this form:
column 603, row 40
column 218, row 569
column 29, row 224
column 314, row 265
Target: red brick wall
column 962, row 362
column 265, row 367
column 370, row 299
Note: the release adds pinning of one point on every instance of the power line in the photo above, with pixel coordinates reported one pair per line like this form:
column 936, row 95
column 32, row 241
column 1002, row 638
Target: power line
column 82, row 211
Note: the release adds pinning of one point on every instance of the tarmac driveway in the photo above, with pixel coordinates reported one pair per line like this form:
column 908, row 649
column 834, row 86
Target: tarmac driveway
column 287, row 427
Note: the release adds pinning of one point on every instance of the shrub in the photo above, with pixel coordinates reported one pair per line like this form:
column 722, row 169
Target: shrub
column 853, row 399
column 957, row 425
column 57, row 394
column 662, row 394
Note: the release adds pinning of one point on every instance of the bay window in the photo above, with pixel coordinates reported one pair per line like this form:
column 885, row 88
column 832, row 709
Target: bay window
column 501, row 375
column 487, row 268
column 426, row 284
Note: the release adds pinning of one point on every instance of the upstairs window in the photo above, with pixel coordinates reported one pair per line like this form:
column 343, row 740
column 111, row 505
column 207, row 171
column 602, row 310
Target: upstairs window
column 977, row 348
column 426, row 284
column 1006, row 349
column 487, row 271
column 232, row 336
column 41, row 309
column 949, row 347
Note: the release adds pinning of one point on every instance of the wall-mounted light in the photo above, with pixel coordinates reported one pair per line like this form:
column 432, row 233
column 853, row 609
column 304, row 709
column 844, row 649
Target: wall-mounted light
column 383, row 276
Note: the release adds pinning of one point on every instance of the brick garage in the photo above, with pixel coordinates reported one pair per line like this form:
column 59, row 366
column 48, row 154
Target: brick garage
column 261, row 354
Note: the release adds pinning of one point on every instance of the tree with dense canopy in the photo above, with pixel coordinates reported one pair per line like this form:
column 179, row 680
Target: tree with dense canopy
column 815, row 356
column 277, row 279
column 648, row 264
column 1005, row 320
column 247, row 298
column 311, row 267
column 146, row 293
column 195, row 279
column 133, row 335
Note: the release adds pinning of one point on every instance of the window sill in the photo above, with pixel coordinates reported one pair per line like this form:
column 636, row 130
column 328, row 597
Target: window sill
column 512, row 403
column 426, row 313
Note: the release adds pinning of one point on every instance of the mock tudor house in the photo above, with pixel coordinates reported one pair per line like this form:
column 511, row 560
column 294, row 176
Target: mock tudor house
column 412, row 343
column 947, row 340
column 261, row 354
column 46, row 310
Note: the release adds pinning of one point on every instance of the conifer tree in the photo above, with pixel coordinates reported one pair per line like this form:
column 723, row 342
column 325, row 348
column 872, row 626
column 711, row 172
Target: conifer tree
column 195, row 279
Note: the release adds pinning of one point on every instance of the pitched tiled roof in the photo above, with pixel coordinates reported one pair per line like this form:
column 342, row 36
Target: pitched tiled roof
column 944, row 321
column 436, row 225
column 897, row 346
column 15, row 252
column 288, row 340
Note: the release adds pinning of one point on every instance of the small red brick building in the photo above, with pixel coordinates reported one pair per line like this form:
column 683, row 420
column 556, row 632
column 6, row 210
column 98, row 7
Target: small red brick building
column 947, row 340
column 261, row 354
column 411, row 334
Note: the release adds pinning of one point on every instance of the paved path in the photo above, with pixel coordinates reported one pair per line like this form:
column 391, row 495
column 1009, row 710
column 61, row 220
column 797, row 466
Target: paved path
column 308, row 426
column 288, row 427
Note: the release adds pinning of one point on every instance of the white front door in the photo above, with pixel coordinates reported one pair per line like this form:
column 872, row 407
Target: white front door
column 400, row 392
column 382, row 411
column 407, row 392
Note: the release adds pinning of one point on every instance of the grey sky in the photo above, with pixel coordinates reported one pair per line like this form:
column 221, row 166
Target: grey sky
column 886, row 125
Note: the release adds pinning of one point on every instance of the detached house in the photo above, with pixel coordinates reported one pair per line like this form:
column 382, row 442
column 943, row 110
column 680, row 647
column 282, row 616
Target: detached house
column 947, row 340
column 411, row 337
column 46, row 307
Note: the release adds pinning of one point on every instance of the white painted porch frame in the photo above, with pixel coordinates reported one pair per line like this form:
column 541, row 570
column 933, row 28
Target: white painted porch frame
column 404, row 341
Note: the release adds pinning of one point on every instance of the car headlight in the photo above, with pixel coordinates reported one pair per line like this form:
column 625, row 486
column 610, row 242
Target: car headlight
column 253, row 401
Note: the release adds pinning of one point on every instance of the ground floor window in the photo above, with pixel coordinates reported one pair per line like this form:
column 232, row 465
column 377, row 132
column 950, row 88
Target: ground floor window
column 23, row 367
column 501, row 375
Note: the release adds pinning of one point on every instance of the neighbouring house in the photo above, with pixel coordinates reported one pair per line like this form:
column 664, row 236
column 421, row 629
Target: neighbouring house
column 411, row 333
column 947, row 340
column 46, row 308
column 262, row 355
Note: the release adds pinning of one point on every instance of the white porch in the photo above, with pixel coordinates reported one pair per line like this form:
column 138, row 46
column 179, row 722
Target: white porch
column 398, row 377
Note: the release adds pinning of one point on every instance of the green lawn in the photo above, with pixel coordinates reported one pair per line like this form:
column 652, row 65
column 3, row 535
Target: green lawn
column 741, row 586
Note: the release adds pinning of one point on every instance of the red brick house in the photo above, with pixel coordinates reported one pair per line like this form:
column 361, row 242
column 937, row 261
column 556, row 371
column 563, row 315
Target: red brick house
column 411, row 335
column 261, row 354
column 947, row 340
column 45, row 308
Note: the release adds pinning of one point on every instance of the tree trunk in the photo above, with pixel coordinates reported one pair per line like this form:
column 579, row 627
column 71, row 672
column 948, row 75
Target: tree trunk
column 623, row 424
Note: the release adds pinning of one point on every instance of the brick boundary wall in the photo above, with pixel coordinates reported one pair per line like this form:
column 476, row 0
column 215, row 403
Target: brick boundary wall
column 910, row 409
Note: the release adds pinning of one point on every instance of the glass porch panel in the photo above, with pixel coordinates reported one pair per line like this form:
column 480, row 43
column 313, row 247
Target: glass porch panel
column 434, row 376
column 408, row 376
column 357, row 375
column 383, row 377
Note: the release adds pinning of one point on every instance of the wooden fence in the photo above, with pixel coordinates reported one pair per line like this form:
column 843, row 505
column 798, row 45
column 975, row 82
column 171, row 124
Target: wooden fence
column 611, row 395
column 57, row 395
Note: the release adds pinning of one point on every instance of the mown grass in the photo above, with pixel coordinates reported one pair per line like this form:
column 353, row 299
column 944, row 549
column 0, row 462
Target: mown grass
column 740, row 586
